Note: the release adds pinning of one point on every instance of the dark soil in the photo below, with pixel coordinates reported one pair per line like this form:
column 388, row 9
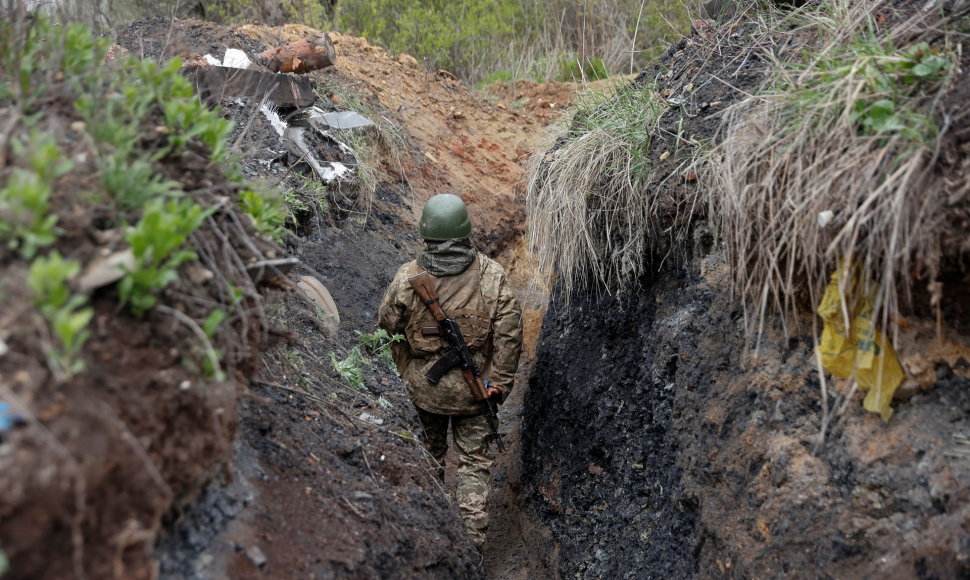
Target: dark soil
column 598, row 451
column 322, row 492
column 654, row 449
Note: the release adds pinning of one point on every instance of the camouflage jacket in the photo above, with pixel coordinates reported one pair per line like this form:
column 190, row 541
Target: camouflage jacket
column 480, row 301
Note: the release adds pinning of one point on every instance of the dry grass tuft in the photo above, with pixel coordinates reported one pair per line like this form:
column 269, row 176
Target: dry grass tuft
column 589, row 200
column 852, row 130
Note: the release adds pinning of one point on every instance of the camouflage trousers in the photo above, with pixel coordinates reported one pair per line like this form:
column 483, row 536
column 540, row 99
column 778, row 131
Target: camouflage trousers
column 474, row 463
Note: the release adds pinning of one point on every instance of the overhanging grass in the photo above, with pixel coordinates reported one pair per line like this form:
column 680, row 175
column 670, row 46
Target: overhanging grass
column 589, row 202
column 851, row 129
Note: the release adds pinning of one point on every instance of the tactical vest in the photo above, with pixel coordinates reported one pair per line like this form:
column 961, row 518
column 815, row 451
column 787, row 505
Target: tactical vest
column 461, row 298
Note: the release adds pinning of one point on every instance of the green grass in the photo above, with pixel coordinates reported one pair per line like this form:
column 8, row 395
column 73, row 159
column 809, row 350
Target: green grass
column 879, row 87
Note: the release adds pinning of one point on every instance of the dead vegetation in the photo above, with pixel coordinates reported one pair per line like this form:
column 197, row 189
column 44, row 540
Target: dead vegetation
column 590, row 200
column 847, row 157
column 851, row 152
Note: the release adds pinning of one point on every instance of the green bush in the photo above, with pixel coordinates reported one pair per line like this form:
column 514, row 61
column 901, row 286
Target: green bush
column 64, row 313
column 378, row 344
column 26, row 223
column 458, row 36
column 351, row 368
column 120, row 103
column 156, row 242
column 375, row 344
column 267, row 210
column 476, row 38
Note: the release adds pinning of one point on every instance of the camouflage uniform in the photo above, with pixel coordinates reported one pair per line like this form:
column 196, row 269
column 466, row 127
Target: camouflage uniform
column 482, row 304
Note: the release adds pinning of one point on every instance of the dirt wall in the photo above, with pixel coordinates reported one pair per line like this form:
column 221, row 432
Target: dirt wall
column 657, row 445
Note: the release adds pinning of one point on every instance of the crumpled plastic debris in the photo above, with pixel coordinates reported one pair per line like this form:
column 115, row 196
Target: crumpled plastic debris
column 309, row 125
column 860, row 351
column 340, row 119
column 236, row 58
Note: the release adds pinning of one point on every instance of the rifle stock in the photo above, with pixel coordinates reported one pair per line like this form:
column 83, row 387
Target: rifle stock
column 422, row 285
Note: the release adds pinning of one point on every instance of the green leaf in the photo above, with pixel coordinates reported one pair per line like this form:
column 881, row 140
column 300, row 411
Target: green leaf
column 212, row 322
column 350, row 368
column 923, row 70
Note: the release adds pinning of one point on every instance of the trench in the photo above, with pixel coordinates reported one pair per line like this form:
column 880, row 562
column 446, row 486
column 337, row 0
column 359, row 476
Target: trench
column 650, row 435
column 645, row 443
column 645, row 438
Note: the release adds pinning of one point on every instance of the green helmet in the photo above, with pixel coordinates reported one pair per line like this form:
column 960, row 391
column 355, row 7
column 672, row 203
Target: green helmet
column 445, row 218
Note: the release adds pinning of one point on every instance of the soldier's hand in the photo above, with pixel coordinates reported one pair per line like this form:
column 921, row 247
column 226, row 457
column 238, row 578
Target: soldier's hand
column 494, row 391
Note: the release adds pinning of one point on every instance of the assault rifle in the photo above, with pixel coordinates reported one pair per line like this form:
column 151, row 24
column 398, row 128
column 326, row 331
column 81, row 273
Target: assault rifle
column 457, row 355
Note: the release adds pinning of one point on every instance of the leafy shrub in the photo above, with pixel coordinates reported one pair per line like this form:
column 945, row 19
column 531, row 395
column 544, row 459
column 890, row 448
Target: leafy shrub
column 156, row 242
column 26, row 223
column 267, row 211
column 137, row 117
column 131, row 183
column 117, row 103
column 64, row 313
column 529, row 38
column 378, row 344
column 351, row 368
column 452, row 35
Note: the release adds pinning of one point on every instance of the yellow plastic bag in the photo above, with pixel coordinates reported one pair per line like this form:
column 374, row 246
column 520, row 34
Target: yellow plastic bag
column 861, row 350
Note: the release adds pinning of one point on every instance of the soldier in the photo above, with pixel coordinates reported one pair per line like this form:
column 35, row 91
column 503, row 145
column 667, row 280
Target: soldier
column 474, row 291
